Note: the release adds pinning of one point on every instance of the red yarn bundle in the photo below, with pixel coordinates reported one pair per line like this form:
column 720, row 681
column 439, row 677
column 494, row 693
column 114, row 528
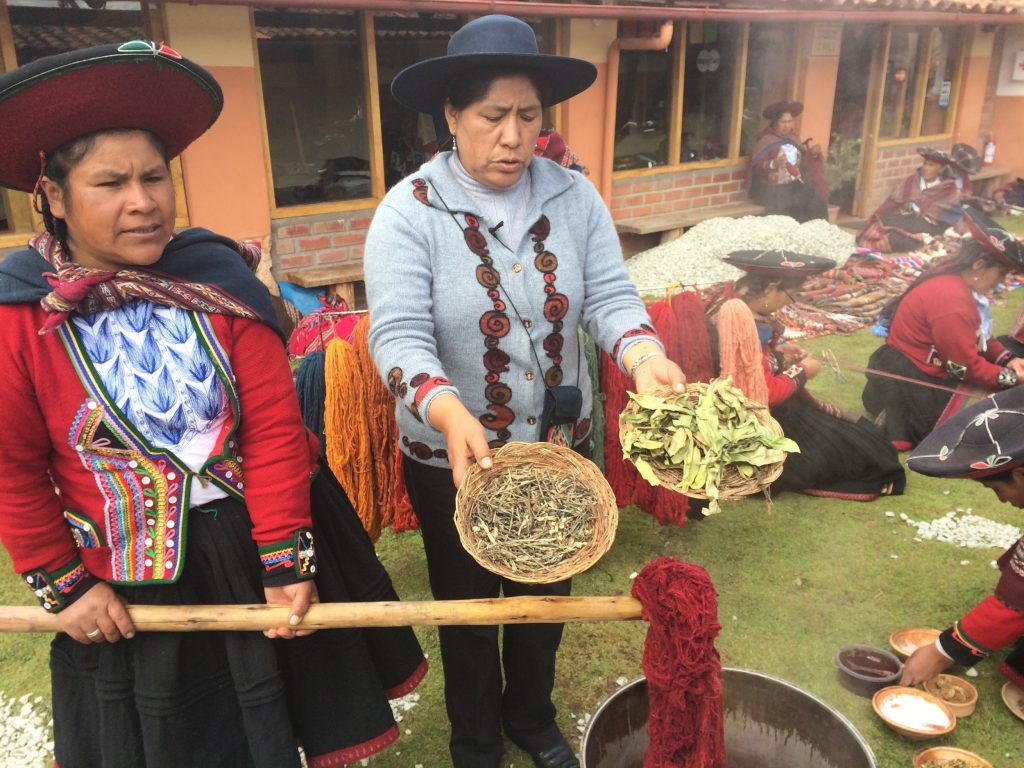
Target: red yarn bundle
column 691, row 347
column 403, row 519
column 622, row 476
column 684, row 674
column 664, row 505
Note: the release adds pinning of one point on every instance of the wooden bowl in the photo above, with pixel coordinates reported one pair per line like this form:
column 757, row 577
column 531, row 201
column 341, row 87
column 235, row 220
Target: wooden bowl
column 906, row 641
column 949, row 754
column 941, row 685
column 1013, row 698
column 893, row 704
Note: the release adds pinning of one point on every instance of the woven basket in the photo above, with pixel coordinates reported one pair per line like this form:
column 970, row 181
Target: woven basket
column 732, row 485
column 548, row 458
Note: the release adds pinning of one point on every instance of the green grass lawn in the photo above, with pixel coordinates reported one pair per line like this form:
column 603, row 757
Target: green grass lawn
column 793, row 586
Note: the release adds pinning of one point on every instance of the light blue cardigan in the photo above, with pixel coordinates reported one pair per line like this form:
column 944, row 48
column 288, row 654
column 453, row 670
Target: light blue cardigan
column 440, row 324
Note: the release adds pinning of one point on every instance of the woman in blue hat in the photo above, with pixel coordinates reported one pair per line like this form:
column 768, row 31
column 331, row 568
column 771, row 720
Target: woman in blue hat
column 480, row 268
column 984, row 443
column 153, row 451
column 939, row 349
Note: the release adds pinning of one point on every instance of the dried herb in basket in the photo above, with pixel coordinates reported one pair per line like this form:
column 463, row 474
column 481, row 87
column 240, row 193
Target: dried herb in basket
column 699, row 435
column 531, row 520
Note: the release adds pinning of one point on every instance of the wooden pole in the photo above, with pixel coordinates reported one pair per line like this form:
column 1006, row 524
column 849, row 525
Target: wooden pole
column 195, row 618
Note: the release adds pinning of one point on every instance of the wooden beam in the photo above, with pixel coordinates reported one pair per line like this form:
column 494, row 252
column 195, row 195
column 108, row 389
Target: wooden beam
column 372, row 95
column 675, row 96
column 872, row 123
column 739, row 82
column 924, row 58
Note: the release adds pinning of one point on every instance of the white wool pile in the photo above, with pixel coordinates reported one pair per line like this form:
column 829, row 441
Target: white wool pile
column 696, row 257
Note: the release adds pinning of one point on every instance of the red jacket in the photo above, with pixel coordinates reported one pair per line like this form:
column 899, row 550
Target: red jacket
column 121, row 510
column 937, row 328
column 995, row 622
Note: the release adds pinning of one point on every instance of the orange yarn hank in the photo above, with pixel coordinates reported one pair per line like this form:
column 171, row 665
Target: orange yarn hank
column 739, row 350
column 347, row 432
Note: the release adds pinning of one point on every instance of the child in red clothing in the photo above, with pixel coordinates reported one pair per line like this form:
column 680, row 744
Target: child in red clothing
column 984, row 443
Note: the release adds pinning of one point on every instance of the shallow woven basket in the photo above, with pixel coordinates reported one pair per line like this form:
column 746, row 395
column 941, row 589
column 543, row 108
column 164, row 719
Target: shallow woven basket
column 733, row 485
column 548, row 458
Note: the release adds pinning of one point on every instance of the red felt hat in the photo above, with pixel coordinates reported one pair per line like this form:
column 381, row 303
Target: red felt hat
column 774, row 111
column 139, row 84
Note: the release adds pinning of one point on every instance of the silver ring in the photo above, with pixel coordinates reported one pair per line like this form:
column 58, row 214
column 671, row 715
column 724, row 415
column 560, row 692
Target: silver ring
column 94, row 634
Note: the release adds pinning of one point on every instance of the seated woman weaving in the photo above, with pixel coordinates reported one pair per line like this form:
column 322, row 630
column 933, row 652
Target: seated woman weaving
column 939, row 346
column 838, row 457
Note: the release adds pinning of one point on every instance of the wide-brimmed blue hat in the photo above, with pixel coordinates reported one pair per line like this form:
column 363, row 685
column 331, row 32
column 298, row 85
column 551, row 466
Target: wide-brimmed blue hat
column 490, row 41
column 984, row 439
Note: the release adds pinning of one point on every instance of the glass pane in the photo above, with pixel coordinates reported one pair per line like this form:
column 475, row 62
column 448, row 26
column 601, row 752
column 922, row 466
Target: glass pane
column 900, row 76
column 641, row 114
column 45, row 30
column 403, row 40
column 312, row 71
column 707, row 90
column 945, row 55
column 769, row 67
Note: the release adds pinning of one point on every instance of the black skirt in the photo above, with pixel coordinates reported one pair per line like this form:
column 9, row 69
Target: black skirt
column 237, row 698
column 838, row 457
column 795, row 199
column 910, row 410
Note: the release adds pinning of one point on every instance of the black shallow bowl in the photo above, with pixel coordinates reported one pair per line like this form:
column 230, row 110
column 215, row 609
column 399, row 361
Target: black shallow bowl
column 863, row 669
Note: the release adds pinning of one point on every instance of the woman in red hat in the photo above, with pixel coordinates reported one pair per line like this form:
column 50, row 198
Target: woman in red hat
column 153, row 451
column 984, row 443
column 785, row 175
column 838, row 458
column 926, row 204
column 939, row 351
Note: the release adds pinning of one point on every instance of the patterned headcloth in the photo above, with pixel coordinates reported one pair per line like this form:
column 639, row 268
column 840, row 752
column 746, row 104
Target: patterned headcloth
column 77, row 288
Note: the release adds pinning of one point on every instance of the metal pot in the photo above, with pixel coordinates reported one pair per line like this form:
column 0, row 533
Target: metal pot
column 769, row 723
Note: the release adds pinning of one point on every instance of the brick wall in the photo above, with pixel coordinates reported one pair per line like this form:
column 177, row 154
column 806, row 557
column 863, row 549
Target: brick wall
column 892, row 166
column 318, row 241
column 678, row 191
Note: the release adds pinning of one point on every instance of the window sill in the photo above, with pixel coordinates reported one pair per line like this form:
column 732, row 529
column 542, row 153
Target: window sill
column 312, row 209
column 934, row 138
column 729, row 162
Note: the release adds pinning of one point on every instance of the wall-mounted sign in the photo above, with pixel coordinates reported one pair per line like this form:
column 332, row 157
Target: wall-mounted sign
column 944, row 91
column 826, row 40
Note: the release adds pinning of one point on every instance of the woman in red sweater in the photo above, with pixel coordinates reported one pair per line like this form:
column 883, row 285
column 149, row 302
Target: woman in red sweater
column 939, row 333
column 153, row 449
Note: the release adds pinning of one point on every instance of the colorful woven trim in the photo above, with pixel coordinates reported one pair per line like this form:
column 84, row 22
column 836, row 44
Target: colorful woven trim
column 959, row 645
column 288, row 561
column 59, row 589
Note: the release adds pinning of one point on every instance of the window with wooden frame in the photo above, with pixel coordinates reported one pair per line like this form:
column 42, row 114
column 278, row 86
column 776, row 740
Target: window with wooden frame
column 30, row 31
column 313, row 73
column 921, row 75
column 700, row 101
